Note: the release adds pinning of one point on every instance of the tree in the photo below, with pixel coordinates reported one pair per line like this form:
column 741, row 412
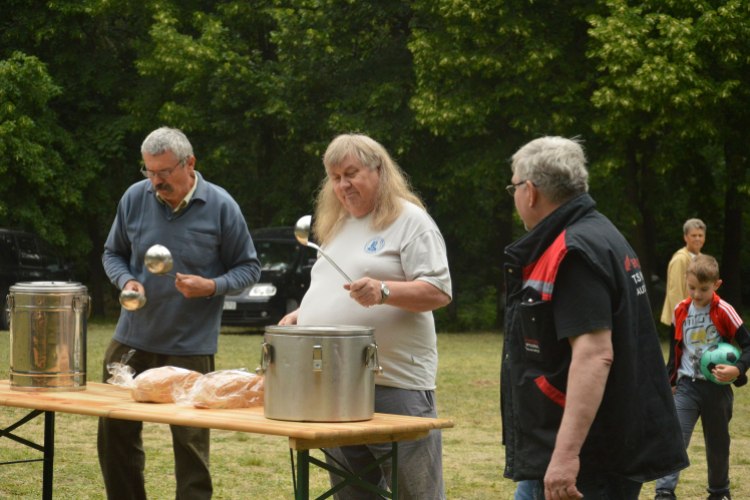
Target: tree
column 671, row 86
column 88, row 49
column 43, row 173
column 492, row 75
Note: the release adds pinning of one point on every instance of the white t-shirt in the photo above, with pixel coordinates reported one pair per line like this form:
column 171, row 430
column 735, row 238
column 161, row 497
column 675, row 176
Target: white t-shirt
column 411, row 248
column 698, row 333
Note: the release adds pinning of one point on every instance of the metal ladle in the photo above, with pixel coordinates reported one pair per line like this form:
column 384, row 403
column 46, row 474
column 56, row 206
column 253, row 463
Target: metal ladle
column 132, row 300
column 159, row 260
column 302, row 233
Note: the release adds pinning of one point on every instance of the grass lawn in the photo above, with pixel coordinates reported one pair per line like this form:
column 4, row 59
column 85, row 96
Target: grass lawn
column 252, row 466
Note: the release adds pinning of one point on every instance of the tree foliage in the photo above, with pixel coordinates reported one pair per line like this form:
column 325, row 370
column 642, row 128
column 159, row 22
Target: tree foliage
column 43, row 171
column 657, row 90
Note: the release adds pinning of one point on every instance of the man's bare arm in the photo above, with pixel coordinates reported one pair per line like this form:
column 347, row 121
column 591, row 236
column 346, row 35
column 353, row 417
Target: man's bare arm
column 589, row 368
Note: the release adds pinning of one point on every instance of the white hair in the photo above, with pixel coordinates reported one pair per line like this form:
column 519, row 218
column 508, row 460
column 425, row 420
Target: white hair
column 693, row 224
column 555, row 165
column 166, row 139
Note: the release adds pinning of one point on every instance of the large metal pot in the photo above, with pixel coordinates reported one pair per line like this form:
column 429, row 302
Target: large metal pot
column 319, row 373
column 48, row 336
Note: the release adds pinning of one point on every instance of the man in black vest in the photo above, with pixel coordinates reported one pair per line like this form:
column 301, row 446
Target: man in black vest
column 586, row 402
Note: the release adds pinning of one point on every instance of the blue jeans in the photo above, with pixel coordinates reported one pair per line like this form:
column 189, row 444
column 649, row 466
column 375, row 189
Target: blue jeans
column 605, row 487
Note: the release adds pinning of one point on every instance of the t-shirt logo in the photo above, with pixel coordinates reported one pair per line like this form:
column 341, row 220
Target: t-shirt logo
column 374, row 245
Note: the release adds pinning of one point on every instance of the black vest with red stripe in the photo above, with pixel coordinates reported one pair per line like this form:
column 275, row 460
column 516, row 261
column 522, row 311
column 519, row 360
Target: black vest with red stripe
column 635, row 433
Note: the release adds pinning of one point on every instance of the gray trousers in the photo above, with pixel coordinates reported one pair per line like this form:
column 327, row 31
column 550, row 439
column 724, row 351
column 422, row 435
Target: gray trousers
column 420, row 462
column 120, row 446
column 713, row 404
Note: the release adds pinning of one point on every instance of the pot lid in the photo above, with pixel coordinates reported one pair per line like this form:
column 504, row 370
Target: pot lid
column 321, row 330
column 44, row 287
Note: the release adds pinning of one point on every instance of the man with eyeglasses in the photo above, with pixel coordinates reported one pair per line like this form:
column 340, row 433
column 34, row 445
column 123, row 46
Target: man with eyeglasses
column 214, row 255
column 587, row 406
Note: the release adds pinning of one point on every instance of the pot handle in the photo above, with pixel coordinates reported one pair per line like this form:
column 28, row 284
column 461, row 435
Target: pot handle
column 79, row 303
column 266, row 355
column 372, row 362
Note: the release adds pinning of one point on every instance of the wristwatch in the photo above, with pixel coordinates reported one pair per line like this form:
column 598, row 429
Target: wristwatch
column 385, row 292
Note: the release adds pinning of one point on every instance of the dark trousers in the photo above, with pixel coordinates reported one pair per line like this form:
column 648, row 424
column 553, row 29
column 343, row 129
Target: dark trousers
column 120, row 446
column 713, row 404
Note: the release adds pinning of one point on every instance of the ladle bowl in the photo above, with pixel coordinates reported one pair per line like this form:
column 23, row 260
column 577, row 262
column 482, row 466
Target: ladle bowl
column 132, row 300
column 302, row 233
column 159, row 260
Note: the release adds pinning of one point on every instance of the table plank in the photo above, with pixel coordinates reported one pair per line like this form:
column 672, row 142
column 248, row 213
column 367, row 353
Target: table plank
column 103, row 400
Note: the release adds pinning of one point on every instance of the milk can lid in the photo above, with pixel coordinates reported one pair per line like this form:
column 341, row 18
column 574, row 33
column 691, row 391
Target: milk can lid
column 48, row 287
column 321, row 330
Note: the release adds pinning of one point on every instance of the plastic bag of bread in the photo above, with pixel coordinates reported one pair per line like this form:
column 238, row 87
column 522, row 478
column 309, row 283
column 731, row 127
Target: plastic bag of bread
column 158, row 384
column 122, row 374
column 225, row 389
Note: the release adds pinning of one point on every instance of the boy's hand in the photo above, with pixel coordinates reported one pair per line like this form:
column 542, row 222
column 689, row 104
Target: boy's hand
column 725, row 373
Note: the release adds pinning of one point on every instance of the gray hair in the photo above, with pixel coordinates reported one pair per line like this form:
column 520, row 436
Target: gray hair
column 166, row 139
column 555, row 165
column 693, row 224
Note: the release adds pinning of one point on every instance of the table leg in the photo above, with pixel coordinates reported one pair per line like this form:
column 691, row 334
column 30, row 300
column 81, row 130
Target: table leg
column 48, row 449
column 49, row 454
column 303, row 475
column 394, row 471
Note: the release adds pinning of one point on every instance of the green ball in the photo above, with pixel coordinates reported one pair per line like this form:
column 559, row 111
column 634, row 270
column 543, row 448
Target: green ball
column 718, row 354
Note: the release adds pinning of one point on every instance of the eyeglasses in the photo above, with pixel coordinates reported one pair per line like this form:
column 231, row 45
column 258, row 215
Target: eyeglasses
column 511, row 188
column 163, row 174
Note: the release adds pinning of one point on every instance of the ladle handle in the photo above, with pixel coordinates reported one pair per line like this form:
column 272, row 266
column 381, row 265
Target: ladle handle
column 334, row 264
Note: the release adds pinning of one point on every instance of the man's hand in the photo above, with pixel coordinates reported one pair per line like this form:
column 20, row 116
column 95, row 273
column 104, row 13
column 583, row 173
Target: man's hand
column 366, row 291
column 290, row 319
column 560, row 479
column 135, row 286
column 192, row 286
column 725, row 373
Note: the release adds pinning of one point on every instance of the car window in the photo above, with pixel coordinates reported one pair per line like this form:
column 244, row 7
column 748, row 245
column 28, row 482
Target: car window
column 50, row 258
column 28, row 251
column 276, row 255
column 8, row 250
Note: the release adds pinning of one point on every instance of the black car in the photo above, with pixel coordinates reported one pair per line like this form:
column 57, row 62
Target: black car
column 27, row 257
column 284, row 279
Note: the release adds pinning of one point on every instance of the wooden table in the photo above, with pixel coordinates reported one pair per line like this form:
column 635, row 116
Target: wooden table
column 103, row 400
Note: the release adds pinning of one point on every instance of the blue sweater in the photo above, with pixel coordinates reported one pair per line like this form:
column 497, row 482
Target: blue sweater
column 208, row 238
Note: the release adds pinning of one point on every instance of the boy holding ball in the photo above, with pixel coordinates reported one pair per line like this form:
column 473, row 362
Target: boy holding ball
column 699, row 322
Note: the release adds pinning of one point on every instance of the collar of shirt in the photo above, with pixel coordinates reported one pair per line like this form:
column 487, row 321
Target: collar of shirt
column 184, row 201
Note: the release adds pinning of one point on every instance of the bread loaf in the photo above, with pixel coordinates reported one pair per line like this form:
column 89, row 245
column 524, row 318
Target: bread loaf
column 227, row 389
column 157, row 384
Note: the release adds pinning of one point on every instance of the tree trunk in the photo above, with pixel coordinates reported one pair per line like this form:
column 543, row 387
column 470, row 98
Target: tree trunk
column 503, row 238
column 637, row 196
column 730, row 260
column 97, row 277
